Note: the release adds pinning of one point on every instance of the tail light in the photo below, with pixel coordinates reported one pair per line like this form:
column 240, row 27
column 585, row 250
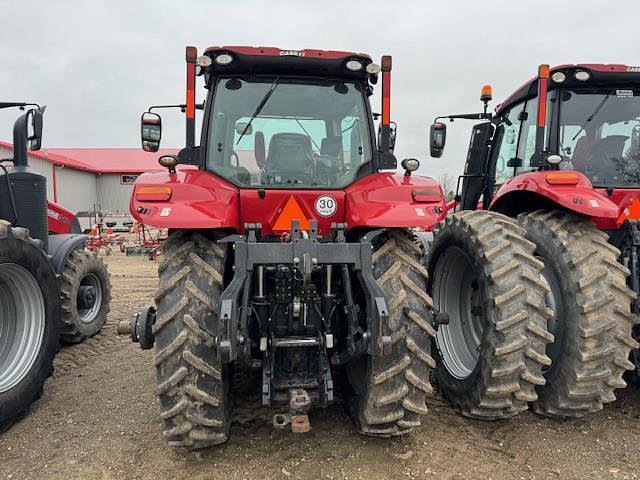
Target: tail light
column 562, row 178
column 427, row 195
column 153, row 194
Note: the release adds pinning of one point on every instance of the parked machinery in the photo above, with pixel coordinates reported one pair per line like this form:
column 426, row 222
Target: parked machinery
column 34, row 305
column 562, row 157
column 290, row 250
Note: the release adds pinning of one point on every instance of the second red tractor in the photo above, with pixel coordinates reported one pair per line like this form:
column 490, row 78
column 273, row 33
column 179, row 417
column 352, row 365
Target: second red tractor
column 562, row 156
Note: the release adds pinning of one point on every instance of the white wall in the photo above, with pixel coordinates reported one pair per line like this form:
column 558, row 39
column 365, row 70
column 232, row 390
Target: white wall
column 77, row 190
column 112, row 195
column 41, row 166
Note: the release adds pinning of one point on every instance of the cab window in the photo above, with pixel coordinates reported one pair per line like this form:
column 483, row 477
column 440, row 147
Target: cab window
column 507, row 144
column 527, row 142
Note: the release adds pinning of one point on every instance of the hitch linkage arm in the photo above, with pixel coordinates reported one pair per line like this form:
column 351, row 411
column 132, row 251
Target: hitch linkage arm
column 250, row 253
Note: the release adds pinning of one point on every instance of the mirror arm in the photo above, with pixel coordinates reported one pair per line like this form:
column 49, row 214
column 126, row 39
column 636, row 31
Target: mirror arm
column 467, row 116
column 181, row 106
column 20, row 105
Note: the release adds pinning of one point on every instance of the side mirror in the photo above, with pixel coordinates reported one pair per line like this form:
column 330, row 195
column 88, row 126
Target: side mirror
column 635, row 142
column 151, row 131
column 241, row 126
column 393, row 128
column 514, row 162
column 34, row 123
column 437, row 139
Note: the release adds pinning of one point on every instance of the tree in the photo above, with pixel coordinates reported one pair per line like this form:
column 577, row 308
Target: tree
column 448, row 184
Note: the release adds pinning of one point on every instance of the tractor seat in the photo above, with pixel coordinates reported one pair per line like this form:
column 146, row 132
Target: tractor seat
column 289, row 153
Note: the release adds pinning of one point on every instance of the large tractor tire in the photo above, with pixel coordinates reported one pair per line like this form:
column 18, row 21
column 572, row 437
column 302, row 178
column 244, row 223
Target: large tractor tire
column 86, row 296
column 388, row 394
column 491, row 354
column 29, row 322
column 192, row 385
column 592, row 321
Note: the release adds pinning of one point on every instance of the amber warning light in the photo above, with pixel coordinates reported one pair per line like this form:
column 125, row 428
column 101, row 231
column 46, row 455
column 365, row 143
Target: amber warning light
column 153, row 194
column 486, row 94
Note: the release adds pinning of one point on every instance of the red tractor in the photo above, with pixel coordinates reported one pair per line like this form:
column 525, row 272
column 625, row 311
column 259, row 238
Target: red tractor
column 290, row 251
column 49, row 288
column 562, row 156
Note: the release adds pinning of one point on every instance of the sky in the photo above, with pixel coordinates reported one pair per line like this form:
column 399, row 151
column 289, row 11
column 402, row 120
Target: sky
column 98, row 65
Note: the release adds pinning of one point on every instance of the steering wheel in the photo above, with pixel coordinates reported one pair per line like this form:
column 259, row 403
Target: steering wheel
column 326, row 164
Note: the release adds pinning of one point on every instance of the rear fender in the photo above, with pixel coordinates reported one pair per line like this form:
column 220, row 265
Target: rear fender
column 531, row 191
column 198, row 200
column 61, row 220
column 392, row 200
column 60, row 246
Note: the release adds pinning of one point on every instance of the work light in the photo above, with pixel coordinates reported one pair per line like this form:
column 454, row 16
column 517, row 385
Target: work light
column 224, row 59
column 354, row 65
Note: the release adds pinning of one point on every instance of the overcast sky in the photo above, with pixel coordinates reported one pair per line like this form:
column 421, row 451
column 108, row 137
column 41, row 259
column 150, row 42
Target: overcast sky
column 98, row 64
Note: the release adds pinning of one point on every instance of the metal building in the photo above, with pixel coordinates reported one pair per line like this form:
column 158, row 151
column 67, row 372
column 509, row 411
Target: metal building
column 90, row 180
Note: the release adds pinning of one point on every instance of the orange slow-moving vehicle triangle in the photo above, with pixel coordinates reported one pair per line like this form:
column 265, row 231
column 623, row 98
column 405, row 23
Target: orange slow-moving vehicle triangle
column 291, row 211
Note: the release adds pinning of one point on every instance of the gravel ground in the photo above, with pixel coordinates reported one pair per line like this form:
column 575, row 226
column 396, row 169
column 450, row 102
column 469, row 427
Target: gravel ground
column 97, row 420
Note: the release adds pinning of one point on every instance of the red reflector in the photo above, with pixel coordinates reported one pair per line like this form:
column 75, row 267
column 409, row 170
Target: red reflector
column 426, row 195
column 153, row 194
column 562, row 178
column 385, row 65
column 191, row 54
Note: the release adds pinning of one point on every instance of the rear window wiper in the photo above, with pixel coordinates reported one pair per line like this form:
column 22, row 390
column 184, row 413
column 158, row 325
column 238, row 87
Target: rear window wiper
column 259, row 108
column 590, row 117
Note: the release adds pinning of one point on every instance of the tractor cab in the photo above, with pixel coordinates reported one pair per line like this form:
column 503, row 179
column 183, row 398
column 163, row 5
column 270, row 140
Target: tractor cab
column 577, row 118
column 287, row 122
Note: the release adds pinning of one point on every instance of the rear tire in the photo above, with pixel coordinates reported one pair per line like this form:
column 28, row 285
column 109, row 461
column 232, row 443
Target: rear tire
column 389, row 393
column 84, row 317
column 491, row 354
column 29, row 322
column 193, row 387
column 592, row 322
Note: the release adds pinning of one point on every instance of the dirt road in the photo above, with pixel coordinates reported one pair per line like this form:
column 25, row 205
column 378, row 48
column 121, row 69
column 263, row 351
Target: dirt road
column 97, row 419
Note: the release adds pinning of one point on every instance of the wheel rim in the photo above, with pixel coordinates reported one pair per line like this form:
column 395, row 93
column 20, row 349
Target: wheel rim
column 456, row 291
column 89, row 298
column 22, row 324
column 553, row 300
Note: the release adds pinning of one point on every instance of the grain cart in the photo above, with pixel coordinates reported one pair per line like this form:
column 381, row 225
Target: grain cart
column 290, row 250
column 562, row 156
column 34, row 303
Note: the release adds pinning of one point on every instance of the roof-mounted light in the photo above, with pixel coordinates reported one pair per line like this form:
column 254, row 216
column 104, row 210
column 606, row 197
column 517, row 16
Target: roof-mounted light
column 204, row 61
column 224, row 59
column 558, row 77
column 486, row 93
column 354, row 65
column 582, row 75
column 373, row 69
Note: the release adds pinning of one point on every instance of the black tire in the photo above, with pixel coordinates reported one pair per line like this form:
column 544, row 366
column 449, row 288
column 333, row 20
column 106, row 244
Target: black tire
column 388, row 394
column 192, row 386
column 16, row 247
column 81, row 321
column 490, row 356
column 592, row 321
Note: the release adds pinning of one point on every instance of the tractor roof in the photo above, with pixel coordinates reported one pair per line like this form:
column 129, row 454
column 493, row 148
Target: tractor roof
column 275, row 61
column 600, row 75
